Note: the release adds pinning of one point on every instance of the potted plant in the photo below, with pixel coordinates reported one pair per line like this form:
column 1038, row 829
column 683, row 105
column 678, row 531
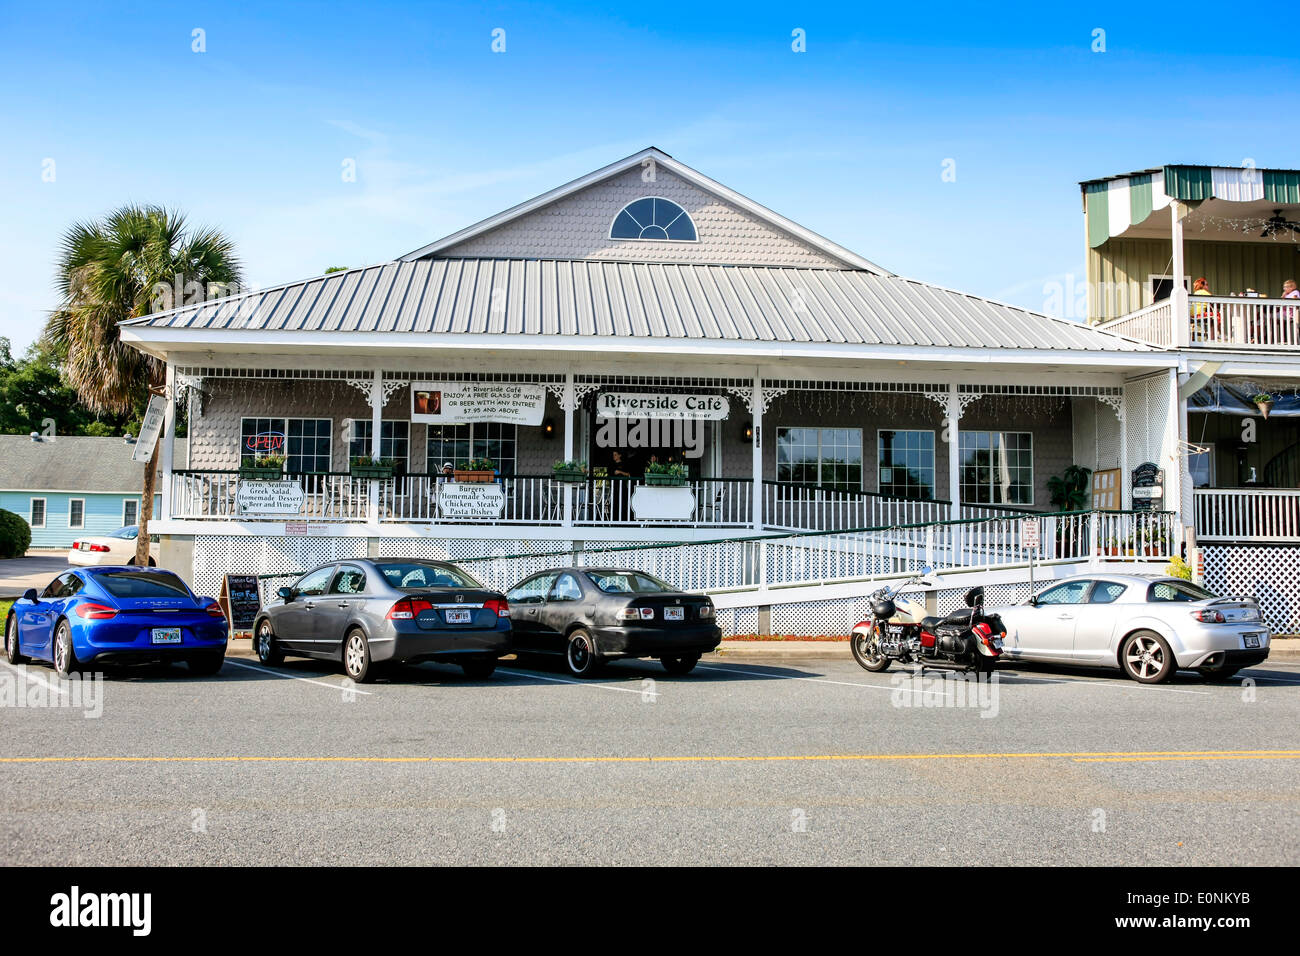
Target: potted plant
column 1178, row 568
column 1069, row 490
column 571, row 472
column 366, row 466
column 669, row 473
column 1112, row 547
column 481, row 470
column 262, row 468
column 1264, row 402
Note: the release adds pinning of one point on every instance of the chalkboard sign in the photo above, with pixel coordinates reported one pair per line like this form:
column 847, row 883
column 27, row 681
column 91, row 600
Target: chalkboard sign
column 1148, row 491
column 241, row 599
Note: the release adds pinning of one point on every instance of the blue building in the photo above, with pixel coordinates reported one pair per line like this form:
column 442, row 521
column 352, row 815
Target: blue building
column 69, row 486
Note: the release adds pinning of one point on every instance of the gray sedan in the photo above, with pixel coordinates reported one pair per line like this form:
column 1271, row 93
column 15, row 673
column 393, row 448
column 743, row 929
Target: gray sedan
column 367, row 612
column 1147, row 626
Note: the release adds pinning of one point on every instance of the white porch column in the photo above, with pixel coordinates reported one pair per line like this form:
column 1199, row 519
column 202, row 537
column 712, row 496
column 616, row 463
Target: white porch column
column 568, row 404
column 953, row 428
column 1178, row 298
column 1175, row 431
column 376, row 439
column 167, row 456
column 756, row 410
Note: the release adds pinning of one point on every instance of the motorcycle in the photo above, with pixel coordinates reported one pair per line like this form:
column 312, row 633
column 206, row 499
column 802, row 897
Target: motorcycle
column 900, row 630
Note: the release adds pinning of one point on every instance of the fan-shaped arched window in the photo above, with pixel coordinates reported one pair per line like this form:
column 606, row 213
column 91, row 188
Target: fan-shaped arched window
column 653, row 218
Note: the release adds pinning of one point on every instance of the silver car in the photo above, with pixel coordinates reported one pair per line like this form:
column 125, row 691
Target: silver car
column 1148, row 626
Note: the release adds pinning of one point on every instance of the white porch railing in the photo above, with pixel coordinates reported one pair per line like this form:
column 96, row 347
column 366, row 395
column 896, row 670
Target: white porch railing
column 1214, row 320
column 791, row 507
column 1153, row 324
column 212, row 495
column 1247, row 514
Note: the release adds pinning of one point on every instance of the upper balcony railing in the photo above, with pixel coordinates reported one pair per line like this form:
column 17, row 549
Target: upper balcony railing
column 1216, row 321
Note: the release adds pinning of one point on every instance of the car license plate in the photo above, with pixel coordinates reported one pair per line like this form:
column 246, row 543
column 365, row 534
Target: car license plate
column 166, row 635
column 459, row 617
column 674, row 614
column 1252, row 640
column 83, row 546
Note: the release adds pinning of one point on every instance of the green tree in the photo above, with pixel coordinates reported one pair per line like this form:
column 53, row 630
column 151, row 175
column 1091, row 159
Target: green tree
column 120, row 267
column 32, row 391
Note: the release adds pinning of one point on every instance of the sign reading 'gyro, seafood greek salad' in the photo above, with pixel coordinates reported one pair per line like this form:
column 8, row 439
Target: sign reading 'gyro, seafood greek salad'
column 268, row 497
column 458, row 403
column 652, row 405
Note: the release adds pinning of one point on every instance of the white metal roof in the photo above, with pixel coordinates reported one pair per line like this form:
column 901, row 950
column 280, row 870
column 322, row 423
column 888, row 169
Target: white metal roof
column 530, row 297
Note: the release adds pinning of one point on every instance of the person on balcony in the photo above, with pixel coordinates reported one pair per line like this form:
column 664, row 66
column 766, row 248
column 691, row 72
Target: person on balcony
column 1201, row 315
column 1289, row 290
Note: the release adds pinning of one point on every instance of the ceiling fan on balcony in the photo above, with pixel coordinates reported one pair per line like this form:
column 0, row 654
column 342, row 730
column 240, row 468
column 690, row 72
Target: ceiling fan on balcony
column 1278, row 223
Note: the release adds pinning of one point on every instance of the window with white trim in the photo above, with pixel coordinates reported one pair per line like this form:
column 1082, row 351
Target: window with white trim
column 36, row 513
column 653, row 218
column 906, row 463
column 997, row 468
column 828, row 457
column 76, row 512
column 130, row 511
column 394, row 440
column 304, row 442
column 457, row 444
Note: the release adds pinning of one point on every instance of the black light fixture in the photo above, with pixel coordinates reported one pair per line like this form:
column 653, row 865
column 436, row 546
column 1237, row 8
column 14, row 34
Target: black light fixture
column 548, row 428
column 747, row 433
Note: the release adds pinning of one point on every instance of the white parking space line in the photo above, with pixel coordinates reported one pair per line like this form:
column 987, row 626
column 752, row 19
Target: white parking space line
column 305, row 680
column 35, row 678
column 813, row 680
column 531, row 675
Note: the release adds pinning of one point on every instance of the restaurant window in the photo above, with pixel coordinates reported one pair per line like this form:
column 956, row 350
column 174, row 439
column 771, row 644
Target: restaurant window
column 394, row 440
column 997, row 468
column 906, row 462
column 457, row 444
column 305, row 442
column 827, row 457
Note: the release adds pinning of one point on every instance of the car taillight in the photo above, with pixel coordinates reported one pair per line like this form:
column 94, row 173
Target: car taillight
column 501, row 606
column 647, row 614
column 214, row 610
column 1207, row 616
column 409, row 608
column 706, row 610
column 98, row 547
column 96, row 612
column 629, row 614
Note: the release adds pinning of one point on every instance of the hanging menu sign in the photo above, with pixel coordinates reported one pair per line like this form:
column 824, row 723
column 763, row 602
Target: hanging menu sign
column 458, row 403
column 1148, row 491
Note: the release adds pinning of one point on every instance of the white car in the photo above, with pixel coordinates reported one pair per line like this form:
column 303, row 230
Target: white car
column 1147, row 626
column 115, row 548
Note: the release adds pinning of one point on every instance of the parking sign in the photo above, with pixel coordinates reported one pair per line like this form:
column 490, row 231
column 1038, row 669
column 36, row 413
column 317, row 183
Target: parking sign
column 1029, row 534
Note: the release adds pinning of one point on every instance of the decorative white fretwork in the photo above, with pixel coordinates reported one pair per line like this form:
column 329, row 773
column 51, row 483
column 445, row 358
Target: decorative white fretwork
column 581, row 390
column 189, row 388
column 362, row 385
column 963, row 399
column 366, row 387
column 746, row 395
column 393, row 384
column 1116, row 403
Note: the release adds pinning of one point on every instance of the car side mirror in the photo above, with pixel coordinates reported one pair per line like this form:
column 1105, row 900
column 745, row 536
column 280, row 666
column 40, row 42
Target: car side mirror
column 286, row 593
column 1032, row 602
column 31, row 595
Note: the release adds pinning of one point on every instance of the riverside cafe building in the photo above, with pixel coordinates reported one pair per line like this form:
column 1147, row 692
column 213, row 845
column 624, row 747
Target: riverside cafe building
column 722, row 372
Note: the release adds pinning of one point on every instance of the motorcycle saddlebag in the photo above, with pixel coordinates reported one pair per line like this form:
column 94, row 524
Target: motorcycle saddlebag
column 927, row 639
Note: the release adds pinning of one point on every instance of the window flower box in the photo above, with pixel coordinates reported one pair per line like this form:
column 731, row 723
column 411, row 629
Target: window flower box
column 665, row 480
column 371, row 468
column 477, row 476
column 265, row 468
column 569, row 472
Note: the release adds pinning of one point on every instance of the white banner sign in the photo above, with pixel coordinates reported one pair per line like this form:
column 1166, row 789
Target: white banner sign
column 651, row 405
column 470, row 499
column 650, row 503
column 150, row 429
column 254, row 497
column 456, row 403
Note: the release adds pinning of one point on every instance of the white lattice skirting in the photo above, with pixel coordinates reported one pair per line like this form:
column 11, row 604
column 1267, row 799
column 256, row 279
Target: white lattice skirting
column 1268, row 573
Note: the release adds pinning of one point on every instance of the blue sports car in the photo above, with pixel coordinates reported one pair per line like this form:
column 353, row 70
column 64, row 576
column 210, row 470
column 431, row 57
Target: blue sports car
column 112, row 615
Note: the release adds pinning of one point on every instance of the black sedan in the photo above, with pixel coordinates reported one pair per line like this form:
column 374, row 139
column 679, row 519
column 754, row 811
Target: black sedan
column 366, row 612
column 593, row 615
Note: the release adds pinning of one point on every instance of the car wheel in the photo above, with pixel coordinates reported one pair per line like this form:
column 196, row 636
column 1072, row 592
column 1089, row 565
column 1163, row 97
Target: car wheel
column 581, row 654
column 1147, row 658
column 11, row 641
column 680, row 664
column 207, row 665
column 867, row 652
column 267, row 647
column 480, row 668
column 1218, row 673
column 65, row 656
column 356, row 657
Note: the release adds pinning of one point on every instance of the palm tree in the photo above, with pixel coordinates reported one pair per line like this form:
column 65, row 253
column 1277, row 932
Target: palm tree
column 121, row 267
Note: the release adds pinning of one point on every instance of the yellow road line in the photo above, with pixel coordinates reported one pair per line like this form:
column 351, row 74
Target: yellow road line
column 1083, row 757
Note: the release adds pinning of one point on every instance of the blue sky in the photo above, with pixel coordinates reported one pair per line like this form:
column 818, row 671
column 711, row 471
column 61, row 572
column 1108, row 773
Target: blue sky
column 848, row 138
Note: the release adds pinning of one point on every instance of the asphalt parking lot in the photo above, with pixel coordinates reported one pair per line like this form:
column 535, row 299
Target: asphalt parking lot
column 739, row 762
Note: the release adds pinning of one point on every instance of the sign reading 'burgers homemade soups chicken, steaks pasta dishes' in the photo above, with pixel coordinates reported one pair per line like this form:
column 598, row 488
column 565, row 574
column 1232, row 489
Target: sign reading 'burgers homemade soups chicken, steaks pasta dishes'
column 651, row 405
column 459, row 403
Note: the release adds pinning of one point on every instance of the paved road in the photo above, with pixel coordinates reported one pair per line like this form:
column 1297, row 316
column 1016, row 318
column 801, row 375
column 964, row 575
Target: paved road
column 33, row 570
column 736, row 763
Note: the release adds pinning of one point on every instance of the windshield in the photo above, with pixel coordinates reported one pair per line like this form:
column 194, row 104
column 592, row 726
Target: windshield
column 628, row 582
column 130, row 531
column 143, row 584
column 416, row 575
column 1178, row 591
